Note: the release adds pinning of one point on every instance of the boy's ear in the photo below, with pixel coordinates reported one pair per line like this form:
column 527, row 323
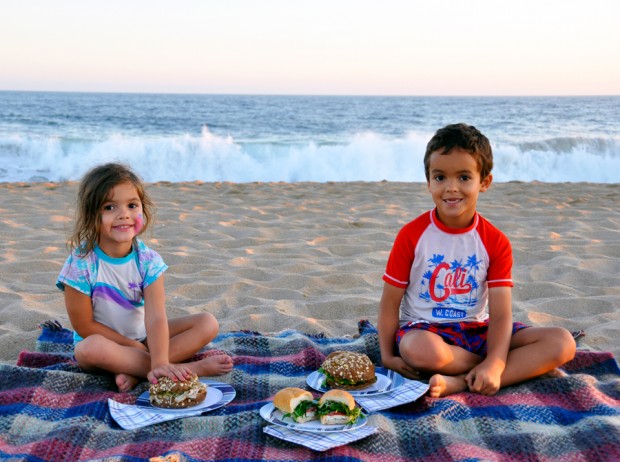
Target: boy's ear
column 486, row 182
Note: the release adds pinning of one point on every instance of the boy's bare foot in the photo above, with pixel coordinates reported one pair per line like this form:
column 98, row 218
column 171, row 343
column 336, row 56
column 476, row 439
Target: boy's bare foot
column 212, row 365
column 443, row 385
column 125, row 382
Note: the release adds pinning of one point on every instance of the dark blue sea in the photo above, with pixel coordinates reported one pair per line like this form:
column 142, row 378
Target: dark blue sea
column 58, row 136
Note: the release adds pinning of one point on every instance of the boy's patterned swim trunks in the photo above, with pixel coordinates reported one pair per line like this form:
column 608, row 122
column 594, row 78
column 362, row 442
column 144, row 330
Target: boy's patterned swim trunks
column 471, row 336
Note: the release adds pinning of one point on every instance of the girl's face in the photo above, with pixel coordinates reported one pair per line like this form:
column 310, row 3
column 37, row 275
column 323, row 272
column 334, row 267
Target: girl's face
column 454, row 182
column 121, row 220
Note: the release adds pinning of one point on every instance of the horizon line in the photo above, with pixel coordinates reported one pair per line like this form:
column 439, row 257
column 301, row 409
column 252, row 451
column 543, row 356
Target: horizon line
column 373, row 95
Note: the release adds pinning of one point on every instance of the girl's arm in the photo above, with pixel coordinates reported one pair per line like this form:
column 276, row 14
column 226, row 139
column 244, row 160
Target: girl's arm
column 387, row 325
column 80, row 310
column 156, row 323
column 158, row 335
column 485, row 378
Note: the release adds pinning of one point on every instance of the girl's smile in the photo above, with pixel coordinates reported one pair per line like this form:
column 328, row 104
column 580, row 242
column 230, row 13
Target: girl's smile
column 121, row 220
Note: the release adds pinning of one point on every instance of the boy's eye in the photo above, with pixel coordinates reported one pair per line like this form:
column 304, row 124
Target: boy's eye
column 465, row 178
column 439, row 177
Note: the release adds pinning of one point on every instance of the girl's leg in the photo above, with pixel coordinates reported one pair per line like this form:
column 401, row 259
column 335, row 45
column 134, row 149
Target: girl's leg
column 96, row 353
column 189, row 334
column 535, row 351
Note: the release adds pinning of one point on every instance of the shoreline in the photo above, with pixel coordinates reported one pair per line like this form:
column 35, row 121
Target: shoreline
column 310, row 256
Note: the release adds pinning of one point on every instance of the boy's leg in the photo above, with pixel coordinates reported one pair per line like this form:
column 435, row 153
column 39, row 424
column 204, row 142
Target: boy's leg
column 429, row 353
column 189, row 334
column 449, row 364
column 535, row 351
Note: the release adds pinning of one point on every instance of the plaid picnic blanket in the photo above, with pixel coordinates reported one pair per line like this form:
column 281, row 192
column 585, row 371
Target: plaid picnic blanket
column 51, row 411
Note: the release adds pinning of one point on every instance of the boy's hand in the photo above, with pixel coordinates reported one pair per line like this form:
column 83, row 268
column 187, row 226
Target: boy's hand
column 397, row 364
column 485, row 378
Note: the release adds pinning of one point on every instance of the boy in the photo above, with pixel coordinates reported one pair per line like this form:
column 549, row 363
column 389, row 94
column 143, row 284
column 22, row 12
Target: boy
column 449, row 275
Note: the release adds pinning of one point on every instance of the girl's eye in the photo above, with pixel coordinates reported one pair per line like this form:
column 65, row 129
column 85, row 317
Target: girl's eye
column 134, row 206
column 108, row 207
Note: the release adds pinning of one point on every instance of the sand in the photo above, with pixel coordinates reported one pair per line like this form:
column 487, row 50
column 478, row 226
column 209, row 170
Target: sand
column 310, row 256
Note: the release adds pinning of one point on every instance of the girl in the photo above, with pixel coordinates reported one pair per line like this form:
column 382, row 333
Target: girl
column 114, row 289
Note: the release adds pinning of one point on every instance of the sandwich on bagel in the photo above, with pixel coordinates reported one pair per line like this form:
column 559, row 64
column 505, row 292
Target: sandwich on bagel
column 296, row 403
column 348, row 370
column 168, row 394
column 337, row 407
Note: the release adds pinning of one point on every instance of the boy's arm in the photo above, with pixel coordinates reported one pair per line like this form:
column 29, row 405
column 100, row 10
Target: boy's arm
column 387, row 325
column 157, row 334
column 80, row 311
column 485, row 378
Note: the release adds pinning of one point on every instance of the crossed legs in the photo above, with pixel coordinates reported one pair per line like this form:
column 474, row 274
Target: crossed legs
column 188, row 335
column 533, row 352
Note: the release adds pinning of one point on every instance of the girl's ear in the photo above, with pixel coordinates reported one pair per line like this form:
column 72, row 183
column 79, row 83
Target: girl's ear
column 486, row 182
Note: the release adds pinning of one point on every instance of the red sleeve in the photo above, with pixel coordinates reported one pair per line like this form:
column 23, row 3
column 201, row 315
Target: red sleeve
column 401, row 258
column 499, row 273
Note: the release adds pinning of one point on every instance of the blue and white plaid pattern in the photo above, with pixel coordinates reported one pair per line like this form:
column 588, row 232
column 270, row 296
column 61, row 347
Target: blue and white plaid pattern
column 319, row 441
column 131, row 417
column 408, row 392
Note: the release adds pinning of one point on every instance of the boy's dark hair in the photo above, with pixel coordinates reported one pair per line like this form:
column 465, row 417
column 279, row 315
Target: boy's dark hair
column 466, row 137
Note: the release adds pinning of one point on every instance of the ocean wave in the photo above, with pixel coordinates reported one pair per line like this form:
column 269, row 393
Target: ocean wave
column 363, row 157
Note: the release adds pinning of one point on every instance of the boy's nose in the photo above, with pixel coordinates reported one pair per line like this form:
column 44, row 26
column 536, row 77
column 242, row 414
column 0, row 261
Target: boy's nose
column 451, row 185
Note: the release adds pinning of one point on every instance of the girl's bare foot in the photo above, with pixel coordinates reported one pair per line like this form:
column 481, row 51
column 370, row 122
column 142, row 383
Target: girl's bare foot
column 443, row 385
column 212, row 365
column 125, row 382
column 556, row 373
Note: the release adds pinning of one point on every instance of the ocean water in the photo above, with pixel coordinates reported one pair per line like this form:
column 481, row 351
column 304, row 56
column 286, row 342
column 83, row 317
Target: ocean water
column 58, row 136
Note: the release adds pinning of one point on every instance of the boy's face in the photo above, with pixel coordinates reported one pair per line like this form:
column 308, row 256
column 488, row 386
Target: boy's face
column 454, row 183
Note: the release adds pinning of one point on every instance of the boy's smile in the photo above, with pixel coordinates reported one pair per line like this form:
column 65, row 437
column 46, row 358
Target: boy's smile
column 454, row 183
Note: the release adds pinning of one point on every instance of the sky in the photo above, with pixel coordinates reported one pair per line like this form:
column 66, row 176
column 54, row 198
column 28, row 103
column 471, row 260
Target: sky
column 326, row 47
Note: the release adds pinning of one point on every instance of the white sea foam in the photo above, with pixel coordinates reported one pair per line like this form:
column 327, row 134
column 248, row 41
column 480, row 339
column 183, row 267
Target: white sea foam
column 363, row 157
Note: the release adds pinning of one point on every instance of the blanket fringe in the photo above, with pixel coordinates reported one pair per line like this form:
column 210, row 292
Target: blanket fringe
column 52, row 325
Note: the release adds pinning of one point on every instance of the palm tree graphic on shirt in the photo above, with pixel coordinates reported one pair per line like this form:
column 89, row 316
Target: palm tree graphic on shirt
column 137, row 292
column 447, row 283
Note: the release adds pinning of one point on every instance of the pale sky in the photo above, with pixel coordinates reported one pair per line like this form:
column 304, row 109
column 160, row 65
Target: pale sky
column 360, row 47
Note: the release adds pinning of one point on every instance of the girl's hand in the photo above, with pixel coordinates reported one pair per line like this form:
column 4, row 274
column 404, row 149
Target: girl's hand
column 139, row 345
column 176, row 372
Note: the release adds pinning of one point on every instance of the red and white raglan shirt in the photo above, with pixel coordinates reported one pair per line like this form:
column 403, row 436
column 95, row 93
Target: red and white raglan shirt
column 447, row 271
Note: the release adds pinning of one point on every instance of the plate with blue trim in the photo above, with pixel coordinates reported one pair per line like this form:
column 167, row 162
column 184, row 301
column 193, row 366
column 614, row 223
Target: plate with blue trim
column 273, row 415
column 387, row 380
column 218, row 394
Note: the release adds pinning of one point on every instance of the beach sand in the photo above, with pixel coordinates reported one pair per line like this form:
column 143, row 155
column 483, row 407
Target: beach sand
column 310, row 256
